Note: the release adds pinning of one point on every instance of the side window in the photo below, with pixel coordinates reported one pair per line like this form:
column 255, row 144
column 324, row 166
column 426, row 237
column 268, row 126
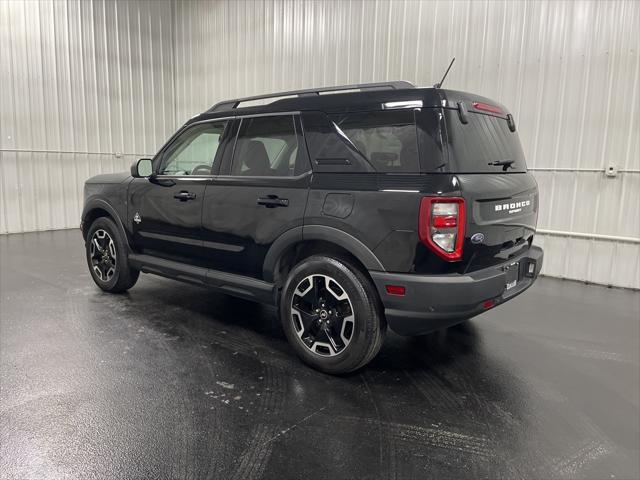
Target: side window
column 330, row 149
column 386, row 138
column 266, row 147
column 194, row 151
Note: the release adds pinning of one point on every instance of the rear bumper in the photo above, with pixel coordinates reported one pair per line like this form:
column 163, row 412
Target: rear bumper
column 432, row 302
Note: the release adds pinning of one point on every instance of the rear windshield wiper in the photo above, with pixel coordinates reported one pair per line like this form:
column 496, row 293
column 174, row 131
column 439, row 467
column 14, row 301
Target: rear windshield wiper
column 502, row 163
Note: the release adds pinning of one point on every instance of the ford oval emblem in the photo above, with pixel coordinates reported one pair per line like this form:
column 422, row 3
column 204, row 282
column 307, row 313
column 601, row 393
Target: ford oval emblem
column 477, row 238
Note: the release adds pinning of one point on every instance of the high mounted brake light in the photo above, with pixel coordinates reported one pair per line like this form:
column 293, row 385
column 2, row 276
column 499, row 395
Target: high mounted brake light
column 487, row 108
column 441, row 226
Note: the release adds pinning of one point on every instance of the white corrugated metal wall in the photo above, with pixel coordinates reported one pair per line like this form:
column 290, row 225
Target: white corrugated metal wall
column 85, row 88
column 568, row 70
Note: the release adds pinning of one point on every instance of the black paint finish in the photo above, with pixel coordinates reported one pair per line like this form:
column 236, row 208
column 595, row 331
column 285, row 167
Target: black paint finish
column 170, row 226
column 174, row 381
column 238, row 230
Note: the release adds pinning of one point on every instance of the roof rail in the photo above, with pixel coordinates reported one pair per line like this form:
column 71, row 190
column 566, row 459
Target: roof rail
column 231, row 104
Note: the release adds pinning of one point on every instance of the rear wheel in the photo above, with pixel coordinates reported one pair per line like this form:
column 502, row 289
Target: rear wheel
column 107, row 257
column 331, row 314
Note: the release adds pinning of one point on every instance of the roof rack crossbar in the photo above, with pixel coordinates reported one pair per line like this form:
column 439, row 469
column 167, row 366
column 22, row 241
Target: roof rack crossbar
column 231, row 104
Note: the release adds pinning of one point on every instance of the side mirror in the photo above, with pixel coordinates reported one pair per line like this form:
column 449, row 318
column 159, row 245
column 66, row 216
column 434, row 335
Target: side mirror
column 142, row 168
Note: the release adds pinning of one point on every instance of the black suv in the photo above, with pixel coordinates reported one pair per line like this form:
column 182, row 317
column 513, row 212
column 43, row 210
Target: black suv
column 349, row 208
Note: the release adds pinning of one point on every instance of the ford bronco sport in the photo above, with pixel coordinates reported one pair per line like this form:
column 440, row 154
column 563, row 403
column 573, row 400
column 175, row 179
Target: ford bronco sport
column 349, row 208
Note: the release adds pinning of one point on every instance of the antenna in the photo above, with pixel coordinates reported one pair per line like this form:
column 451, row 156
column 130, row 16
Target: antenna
column 439, row 84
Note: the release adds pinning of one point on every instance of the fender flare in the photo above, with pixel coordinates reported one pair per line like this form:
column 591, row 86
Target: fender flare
column 98, row 203
column 318, row 232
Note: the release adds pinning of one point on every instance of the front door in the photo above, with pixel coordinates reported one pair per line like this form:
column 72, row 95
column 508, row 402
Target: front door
column 261, row 193
column 166, row 209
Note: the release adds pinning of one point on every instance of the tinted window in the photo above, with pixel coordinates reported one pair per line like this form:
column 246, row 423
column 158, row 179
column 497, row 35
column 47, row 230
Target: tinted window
column 330, row 150
column 484, row 140
column 194, row 151
column 266, row 146
column 431, row 139
column 387, row 139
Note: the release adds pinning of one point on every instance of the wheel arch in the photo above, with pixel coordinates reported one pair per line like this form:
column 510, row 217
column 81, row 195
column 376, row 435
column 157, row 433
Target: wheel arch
column 302, row 242
column 98, row 208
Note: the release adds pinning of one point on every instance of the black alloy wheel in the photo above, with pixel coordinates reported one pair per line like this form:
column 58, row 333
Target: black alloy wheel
column 322, row 315
column 107, row 257
column 103, row 255
column 331, row 314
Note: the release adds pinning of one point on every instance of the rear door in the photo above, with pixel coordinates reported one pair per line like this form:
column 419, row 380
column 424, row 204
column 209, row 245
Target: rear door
column 261, row 193
column 501, row 196
column 166, row 209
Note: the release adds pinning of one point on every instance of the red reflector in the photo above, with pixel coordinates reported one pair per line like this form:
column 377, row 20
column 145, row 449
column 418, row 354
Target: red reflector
column 395, row 289
column 486, row 107
column 442, row 221
column 488, row 304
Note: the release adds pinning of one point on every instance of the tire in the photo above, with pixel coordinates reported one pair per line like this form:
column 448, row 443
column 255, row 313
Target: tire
column 107, row 259
column 311, row 311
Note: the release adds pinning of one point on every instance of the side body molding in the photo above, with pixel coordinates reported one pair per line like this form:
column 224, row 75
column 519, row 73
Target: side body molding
column 318, row 232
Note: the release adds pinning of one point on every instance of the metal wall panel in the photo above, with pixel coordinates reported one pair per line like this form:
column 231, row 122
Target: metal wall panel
column 568, row 70
column 86, row 88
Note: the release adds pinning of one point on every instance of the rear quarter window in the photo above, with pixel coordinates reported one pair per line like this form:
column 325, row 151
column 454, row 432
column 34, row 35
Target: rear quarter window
column 372, row 141
column 387, row 139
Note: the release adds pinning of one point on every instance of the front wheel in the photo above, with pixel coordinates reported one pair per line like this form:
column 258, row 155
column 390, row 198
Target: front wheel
column 331, row 314
column 107, row 257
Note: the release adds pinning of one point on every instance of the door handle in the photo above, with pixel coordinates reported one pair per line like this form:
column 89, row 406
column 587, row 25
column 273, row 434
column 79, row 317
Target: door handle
column 184, row 196
column 273, row 201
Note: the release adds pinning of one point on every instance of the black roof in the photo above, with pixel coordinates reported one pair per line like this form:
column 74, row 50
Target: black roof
column 344, row 98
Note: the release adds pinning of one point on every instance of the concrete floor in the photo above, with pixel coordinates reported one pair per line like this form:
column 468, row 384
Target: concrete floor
column 173, row 381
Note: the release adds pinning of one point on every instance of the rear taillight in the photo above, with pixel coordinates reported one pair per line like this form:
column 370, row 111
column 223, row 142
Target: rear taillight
column 441, row 226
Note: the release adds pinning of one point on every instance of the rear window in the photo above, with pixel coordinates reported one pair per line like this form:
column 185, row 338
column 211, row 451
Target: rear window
column 476, row 146
column 387, row 139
